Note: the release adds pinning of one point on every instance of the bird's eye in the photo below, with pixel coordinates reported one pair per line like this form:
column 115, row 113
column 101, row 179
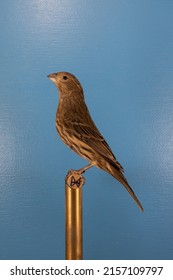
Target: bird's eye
column 65, row 77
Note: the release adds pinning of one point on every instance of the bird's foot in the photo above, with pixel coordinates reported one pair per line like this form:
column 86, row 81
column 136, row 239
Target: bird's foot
column 74, row 178
column 82, row 170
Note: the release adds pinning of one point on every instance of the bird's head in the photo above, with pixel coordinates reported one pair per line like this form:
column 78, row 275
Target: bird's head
column 66, row 83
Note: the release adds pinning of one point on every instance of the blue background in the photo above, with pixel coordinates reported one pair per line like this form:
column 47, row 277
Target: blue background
column 122, row 53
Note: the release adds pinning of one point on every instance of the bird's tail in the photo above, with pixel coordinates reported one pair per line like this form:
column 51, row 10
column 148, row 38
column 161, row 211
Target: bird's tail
column 116, row 173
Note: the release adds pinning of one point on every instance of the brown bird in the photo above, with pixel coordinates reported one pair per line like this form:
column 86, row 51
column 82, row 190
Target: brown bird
column 78, row 131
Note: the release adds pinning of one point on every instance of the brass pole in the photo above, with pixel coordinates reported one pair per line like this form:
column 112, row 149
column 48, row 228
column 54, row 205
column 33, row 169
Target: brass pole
column 73, row 194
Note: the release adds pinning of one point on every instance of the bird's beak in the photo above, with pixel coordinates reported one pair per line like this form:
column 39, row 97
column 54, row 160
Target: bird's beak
column 52, row 77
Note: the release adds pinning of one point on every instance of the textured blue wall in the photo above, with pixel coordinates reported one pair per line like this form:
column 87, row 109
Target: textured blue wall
column 122, row 52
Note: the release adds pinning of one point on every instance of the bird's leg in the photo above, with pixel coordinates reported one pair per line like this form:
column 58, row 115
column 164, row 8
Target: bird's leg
column 82, row 170
column 74, row 178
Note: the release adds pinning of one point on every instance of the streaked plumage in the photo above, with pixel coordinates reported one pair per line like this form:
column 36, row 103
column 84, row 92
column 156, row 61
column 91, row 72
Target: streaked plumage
column 78, row 131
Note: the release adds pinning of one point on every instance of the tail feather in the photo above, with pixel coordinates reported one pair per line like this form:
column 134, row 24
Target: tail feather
column 120, row 177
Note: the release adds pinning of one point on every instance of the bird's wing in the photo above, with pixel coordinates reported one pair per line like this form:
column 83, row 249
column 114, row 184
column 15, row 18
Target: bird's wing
column 91, row 135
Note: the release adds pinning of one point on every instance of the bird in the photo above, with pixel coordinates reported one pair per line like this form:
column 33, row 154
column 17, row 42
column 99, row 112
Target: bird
column 78, row 131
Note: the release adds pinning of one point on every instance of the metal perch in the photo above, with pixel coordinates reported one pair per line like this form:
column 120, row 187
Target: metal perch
column 73, row 195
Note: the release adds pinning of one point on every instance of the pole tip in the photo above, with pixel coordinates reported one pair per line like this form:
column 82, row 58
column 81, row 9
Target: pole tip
column 74, row 179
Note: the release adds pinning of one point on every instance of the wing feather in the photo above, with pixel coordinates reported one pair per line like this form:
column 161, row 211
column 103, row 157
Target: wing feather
column 91, row 135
